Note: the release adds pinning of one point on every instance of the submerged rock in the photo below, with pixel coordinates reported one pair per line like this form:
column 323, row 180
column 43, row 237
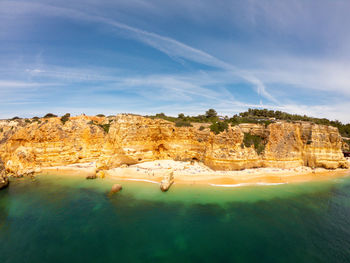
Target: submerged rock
column 92, row 176
column 116, row 188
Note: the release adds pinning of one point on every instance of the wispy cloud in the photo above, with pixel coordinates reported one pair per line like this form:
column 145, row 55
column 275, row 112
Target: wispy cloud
column 225, row 71
column 173, row 48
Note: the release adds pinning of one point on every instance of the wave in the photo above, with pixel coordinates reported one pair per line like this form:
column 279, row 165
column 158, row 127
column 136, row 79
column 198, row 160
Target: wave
column 244, row 184
column 142, row 180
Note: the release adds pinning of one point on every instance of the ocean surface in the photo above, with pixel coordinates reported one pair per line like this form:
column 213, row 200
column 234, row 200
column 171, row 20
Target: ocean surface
column 61, row 219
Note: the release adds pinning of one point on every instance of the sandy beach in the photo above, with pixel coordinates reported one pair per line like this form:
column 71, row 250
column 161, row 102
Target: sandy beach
column 198, row 173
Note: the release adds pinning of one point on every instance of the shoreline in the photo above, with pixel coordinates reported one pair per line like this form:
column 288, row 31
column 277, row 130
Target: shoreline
column 198, row 174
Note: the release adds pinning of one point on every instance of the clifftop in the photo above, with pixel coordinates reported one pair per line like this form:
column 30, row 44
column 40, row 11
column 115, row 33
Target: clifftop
column 26, row 145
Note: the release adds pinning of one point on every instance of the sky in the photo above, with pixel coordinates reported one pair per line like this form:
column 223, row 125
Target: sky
column 147, row 57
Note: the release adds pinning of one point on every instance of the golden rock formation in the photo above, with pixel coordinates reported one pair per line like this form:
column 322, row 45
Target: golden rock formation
column 4, row 181
column 26, row 146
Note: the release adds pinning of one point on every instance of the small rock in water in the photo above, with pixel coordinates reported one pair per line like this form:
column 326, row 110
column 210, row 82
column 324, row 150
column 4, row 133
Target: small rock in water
column 93, row 176
column 116, row 188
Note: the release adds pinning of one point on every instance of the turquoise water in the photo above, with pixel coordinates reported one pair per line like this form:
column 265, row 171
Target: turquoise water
column 57, row 219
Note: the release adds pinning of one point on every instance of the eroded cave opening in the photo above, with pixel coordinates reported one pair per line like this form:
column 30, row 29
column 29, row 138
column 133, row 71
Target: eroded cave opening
column 160, row 148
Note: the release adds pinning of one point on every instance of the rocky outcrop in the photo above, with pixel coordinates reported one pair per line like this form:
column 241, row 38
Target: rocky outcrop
column 4, row 181
column 167, row 181
column 25, row 147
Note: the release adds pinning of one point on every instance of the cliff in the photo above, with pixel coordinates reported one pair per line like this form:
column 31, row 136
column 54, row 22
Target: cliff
column 25, row 146
column 4, row 181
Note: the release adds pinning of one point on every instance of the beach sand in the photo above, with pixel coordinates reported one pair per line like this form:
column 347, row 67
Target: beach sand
column 198, row 173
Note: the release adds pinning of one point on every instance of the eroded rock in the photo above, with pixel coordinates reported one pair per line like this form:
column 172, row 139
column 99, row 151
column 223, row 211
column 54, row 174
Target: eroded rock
column 116, row 188
column 4, row 181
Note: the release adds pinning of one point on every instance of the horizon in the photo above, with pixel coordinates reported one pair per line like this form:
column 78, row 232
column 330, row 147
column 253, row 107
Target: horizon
column 148, row 57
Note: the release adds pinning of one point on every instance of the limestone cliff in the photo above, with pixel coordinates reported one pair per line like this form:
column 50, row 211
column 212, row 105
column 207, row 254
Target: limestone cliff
column 25, row 146
column 4, row 181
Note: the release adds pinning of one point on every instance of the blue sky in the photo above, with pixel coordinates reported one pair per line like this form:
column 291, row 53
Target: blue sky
column 104, row 56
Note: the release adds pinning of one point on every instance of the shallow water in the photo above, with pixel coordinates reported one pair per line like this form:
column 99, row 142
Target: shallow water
column 60, row 219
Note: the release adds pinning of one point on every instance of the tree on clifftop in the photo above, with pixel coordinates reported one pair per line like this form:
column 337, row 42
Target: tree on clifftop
column 211, row 113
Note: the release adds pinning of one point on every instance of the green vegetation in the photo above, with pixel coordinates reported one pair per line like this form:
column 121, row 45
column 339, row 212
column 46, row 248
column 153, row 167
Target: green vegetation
column 27, row 121
column 347, row 142
column 208, row 118
column 15, row 118
column 211, row 113
column 258, row 116
column 255, row 140
column 264, row 115
column 219, row 123
column 181, row 123
column 65, row 118
column 1, row 129
column 105, row 127
column 218, row 127
column 163, row 117
column 50, row 115
column 181, row 116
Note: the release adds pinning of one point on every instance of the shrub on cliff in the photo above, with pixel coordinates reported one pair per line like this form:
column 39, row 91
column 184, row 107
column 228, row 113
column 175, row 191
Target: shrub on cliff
column 182, row 124
column 50, row 115
column 105, row 127
column 100, row 115
column 65, row 118
column 348, row 143
column 218, row 127
column 255, row 140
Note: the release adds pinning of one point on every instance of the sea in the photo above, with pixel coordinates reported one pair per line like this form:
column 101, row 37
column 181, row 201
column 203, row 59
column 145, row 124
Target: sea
column 70, row 219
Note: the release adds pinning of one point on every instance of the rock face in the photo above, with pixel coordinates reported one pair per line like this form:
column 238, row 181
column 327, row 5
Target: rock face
column 4, row 181
column 130, row 139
